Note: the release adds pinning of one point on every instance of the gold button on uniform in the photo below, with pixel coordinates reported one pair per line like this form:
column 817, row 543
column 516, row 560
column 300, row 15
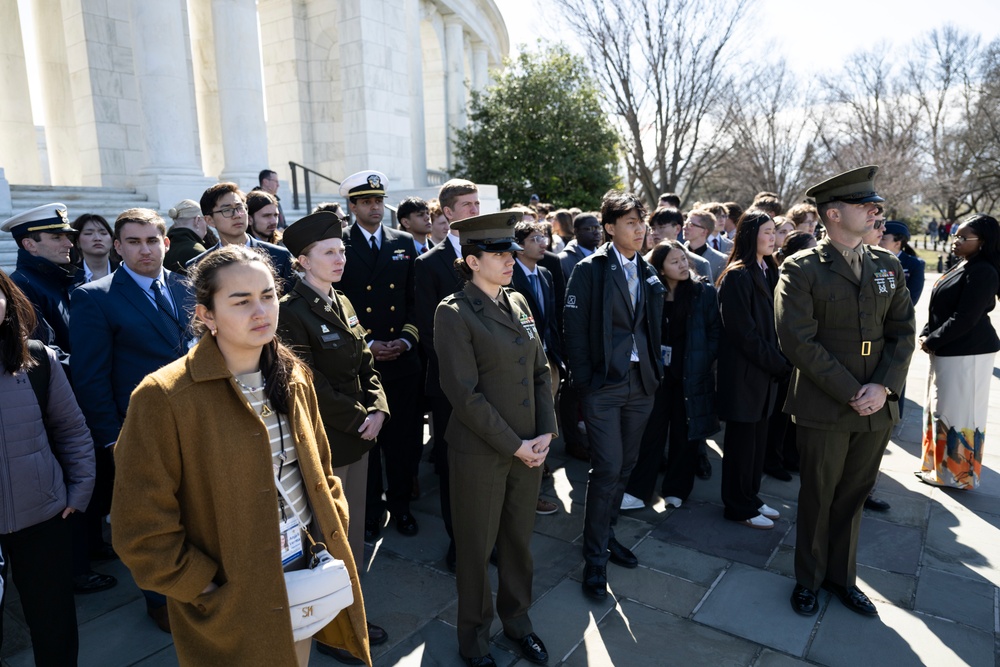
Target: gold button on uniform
column 369, row 288
column 392, row 285
column 368, row 309
column 392, row 308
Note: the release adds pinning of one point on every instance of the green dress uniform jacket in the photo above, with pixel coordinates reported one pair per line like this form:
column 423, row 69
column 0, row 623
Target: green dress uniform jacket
column 331, row 341
column 493, row 371
column 841, row 333
column 195, row 502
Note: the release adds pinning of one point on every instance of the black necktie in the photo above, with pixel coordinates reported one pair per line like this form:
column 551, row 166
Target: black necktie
column 536, row 289
column 374, row 246
column 164, row 308
column 715, row 242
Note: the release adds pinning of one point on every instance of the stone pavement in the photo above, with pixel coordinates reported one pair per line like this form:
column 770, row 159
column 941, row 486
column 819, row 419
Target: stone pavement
column 707, row 591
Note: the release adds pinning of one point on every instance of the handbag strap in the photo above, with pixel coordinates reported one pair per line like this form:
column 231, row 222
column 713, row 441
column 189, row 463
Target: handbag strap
column 315, row 547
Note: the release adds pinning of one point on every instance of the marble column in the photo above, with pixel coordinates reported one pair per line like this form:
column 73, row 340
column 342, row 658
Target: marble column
column 170, row 170
column 454, row 38
column 416, row 80
column 18, row 150
column 240, row 90
column 480, row 67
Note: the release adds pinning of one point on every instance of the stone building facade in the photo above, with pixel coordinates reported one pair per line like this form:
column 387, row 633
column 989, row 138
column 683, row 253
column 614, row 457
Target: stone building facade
column 167, row 96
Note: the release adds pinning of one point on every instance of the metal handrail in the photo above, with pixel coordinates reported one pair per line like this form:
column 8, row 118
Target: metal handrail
column 292, row 166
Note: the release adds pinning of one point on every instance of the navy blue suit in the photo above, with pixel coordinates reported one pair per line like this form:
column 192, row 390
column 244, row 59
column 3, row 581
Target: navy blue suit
column 545, row 317
column 913, row 269
column 121, row 338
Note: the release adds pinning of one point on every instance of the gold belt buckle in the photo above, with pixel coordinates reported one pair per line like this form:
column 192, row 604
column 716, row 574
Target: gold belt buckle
column 866, row 348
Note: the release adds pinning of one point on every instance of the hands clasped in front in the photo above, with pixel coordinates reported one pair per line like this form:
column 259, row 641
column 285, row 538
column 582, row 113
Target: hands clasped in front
column 533, row 452
column 869, row 399
column 388, row 350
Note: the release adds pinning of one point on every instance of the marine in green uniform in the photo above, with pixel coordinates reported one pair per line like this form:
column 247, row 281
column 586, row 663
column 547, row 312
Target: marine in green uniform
column 495, row 375
column 845, row 321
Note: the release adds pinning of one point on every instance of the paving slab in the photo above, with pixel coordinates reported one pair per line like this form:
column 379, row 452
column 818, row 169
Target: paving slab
column 657, row 590
column 753, row 604
column 963, row 542
column 889, row 546
column 633, row 634
column 122, row 637
column 427, row 546
column 680, row 561
column 401, row 596
column 563, row 616
column 963, row 600
column 432, row 645
column 897, row 637
column 701, row 526
column 168, row 658
column 881, row 586
column 769, row 658
column 93, row 605
column 906, row 508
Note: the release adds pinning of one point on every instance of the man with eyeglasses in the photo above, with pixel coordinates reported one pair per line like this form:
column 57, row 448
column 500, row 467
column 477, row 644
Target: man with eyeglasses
column 699, row 226
column 269, row 183
column 845, row 321
column 225, row 209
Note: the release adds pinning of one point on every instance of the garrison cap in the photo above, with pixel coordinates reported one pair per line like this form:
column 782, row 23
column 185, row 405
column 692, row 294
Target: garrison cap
column 51, row 218
column 856, row 186
column 364, row 184
column 492, row 232
column 310, row 229
column 897, row 229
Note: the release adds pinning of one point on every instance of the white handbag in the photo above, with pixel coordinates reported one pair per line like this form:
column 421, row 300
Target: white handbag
column 321, row 591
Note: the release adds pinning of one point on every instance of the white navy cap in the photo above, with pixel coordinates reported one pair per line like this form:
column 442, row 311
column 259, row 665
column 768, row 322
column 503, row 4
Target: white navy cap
column 51, row 218
column 364, row 184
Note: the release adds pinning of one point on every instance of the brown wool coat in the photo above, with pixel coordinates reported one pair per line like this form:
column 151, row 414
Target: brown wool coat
column 195, row 502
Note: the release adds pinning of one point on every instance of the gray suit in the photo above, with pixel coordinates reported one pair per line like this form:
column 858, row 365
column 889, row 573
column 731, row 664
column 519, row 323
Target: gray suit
column 716, row 260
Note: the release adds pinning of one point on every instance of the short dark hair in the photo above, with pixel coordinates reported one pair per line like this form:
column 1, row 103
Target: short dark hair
column 79, row 223
column 330, row 207
column 768, row 202
column 670, row 198
column 617, row 204
column 411, row 205
column 523, row 230
column 211, row 196
column 583, row 218
column 142, row 216
column 666, row 215
column 454, row 189
column 264, row 175
column 258, row 199
column 733, row 211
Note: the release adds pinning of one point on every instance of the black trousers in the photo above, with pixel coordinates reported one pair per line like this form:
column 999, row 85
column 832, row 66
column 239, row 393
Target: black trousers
column 40, row 557
column 667, row 424
column 616, row 416
column 399, row 442
column 742, row 467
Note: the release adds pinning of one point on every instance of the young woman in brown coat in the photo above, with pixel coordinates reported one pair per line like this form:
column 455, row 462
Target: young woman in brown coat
column 196, row 514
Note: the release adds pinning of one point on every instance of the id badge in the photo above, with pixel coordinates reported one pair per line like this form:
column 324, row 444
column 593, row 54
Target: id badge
column 667, row 353
column 291, row 540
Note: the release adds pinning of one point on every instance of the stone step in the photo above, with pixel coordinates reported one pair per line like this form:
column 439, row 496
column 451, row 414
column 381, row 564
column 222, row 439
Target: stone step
column 106, row 202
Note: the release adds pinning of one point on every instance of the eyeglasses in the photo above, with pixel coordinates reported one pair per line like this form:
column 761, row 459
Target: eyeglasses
column 538, row 239
column 230, row 211
column 963, row 239
column 879, row 224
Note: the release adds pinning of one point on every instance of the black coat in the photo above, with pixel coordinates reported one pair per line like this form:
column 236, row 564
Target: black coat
column 435, row 278
column 589, row 319
column 381, row 291
column 280, row 258
column 185, row 245
column 958, row 322
column 750, row 363
column 545, row 317
column 704, row 331
column 47, row 287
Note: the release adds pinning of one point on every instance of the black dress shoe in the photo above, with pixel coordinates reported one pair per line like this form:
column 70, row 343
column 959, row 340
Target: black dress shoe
column 876, row 504
column 620, row 555
column 93, row 582
column 376, row 635
column 804, row 601
column 532, row 648
column 406, row 524
column 338, row 654
column 778, row 473
column 704, row 467
column 482, row 661
column 595, row 582
column 852, row 598
column 372, row 530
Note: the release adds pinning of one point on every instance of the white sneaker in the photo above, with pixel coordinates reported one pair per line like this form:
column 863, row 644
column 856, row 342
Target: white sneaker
column 673, row 501
column 769, row 512
column 630, row 502
column 760, row 522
